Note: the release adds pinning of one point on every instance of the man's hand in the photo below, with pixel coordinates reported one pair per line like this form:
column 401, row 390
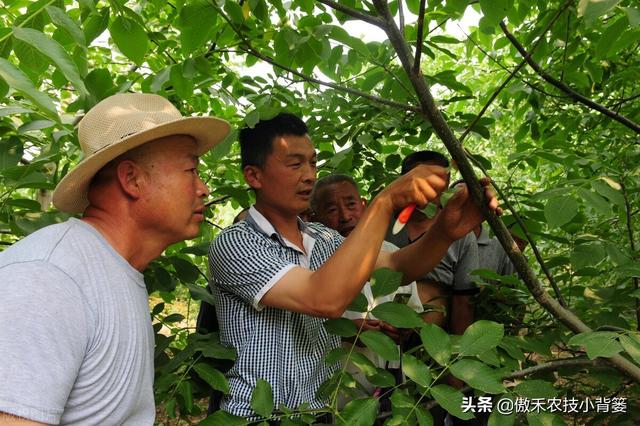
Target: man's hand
column 396, row 334
column 461, row 214
column 422, row 184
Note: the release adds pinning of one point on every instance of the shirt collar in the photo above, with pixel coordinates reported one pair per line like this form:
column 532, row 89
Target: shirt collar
column 262, row 224
column 483, row 239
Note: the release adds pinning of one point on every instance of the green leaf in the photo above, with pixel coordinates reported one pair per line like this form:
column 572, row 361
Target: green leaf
column 20, row 82
column 597, row 343
column 595, row 201
column 363, row 363
column 213, row 377
column 633, row 15
column 186, row 392
column 95, row 24
column 593, row 9
column 416, row 370
column 200, row 293
column 560, row 210
column 451, row 400
column 381, row 344
column 589, row 254
column 495, row 10
column 609, row 36
column 262, row 398
column 498, row 419
column 359, row 412
column 62, row 20
column 185, row 270
column 629, row 270
column 196, row 21
column 545, row 419
column 222, row 418
column 359, row 304
column 437, row 343
column 605, row 189
column 342, row 327
column 478, row 376
column 131, row 38
column 53, row 51
column 536, row 389
column 11, row 151
column 385, row 281
column 631, row 345
column 480, row 337
column 423, row 416
column 398, row 315
column 173, row 318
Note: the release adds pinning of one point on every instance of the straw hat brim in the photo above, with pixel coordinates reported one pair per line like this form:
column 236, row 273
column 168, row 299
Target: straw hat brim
column 71, row 193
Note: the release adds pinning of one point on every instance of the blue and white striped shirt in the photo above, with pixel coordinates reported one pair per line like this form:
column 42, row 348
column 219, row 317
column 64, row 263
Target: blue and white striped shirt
column 285, row 348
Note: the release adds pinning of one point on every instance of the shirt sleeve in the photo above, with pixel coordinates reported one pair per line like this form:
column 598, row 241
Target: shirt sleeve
column 246, row 265
column 43, row 339
column 467, row 262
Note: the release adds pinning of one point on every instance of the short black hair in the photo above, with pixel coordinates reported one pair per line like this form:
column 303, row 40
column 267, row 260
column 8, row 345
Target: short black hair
column 415, row 158
column 328, row 180
column 257, row 143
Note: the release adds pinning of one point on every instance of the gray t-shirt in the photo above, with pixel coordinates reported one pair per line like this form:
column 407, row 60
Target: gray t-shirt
column 454, row 269
column 76, row 343
column 492, row 256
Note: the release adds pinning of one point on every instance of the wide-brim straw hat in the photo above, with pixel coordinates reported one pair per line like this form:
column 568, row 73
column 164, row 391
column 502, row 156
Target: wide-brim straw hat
column 120, row 123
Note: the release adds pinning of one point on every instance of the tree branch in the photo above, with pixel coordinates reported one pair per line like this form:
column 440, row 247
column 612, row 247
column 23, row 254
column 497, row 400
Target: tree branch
column 419, row 37
column 566, row 89
column 516, row 69
column 430, row 112
column 363, row 16
column 250, row 50
column 632, row 243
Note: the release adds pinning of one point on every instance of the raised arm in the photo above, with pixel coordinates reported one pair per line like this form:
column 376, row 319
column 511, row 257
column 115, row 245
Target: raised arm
column 330, row 289
column 458, row 218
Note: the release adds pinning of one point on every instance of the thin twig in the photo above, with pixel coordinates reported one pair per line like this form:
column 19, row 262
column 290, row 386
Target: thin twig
column 517, row 68
column 354, row 13
column 636, row 282
column 566, row 89
column 419, row 37
column 248, row 48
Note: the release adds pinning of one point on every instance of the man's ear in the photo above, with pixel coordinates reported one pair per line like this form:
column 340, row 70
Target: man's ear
column 253, row 176
column 129, row 176
column 364, row 202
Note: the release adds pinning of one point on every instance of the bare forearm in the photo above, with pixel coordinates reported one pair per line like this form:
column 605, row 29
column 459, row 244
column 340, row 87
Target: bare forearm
column 461, row 314
column 341, row 278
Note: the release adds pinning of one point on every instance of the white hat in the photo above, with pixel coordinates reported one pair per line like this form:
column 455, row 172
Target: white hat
column 120, row 123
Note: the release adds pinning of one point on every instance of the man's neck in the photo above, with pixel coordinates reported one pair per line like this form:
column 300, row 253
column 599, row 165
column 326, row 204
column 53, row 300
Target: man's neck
column 285, row 223
column 124, row 240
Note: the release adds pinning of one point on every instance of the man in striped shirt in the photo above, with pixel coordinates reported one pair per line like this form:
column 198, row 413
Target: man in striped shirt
column 276, row 278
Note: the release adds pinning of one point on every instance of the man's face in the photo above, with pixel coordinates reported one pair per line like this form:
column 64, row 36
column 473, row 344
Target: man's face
column 339, row 206
column 173, row 197
column 285, row 181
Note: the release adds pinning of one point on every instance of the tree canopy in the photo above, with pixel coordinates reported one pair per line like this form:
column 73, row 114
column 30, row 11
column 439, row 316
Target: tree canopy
column 539, row 95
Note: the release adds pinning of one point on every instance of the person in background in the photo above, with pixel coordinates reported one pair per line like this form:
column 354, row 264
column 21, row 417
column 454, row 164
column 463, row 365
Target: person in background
column 75, row 335
column 276, row 279
column 337, row 204
column 449, row 287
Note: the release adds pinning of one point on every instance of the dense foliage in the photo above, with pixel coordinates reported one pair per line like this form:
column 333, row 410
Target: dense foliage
column 557, row 132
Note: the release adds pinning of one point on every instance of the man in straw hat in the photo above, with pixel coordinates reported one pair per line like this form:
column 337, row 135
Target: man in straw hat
column 76, row 342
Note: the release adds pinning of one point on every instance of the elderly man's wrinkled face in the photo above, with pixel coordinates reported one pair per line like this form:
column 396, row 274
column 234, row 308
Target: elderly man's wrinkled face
column 174, row 193
column 339, row 206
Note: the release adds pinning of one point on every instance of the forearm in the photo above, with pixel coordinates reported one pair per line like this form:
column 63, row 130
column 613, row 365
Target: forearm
column 341, row 278
column 420, row 257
